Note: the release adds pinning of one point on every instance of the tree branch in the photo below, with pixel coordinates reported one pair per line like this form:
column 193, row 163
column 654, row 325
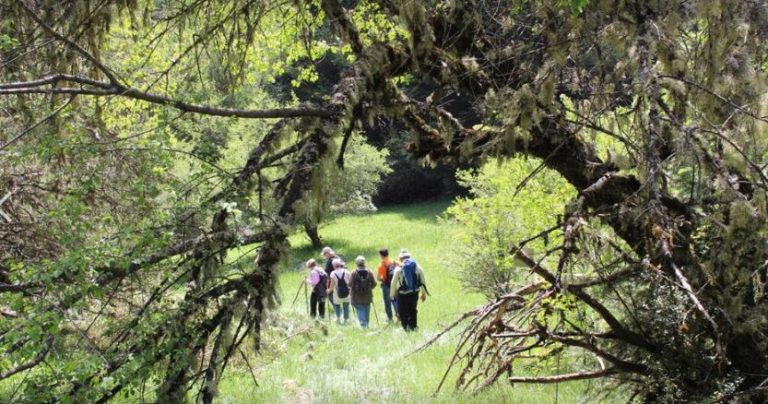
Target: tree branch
column 32, row 363
column 565, row 377
column 77, row 48
column 106, row 89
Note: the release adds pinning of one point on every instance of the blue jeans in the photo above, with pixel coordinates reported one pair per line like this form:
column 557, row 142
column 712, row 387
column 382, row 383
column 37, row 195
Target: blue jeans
column 337, row 308
column 388, row 303
column 363, row 313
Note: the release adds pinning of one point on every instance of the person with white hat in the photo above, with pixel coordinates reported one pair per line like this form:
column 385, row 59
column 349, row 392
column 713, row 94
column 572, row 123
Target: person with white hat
column 407, row 283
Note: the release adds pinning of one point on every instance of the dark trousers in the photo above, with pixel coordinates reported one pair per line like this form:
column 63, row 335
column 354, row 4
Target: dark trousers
column 406, row 307
column 316, row 305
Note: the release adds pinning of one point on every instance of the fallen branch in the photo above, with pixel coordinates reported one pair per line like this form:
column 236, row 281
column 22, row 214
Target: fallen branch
column 451, row 326
column 564, row 377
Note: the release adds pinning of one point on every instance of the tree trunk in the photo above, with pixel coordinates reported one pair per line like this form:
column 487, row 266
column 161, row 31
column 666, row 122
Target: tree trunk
column 314, row 236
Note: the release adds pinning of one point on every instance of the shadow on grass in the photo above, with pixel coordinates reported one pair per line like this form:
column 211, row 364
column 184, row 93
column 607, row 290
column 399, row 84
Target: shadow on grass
column 344, row 248
column 349, row 248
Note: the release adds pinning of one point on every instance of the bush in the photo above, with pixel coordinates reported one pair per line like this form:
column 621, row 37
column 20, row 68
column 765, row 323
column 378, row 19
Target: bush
column 501, row 213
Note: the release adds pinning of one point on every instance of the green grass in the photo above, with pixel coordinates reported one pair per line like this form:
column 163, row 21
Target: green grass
column 302, row 361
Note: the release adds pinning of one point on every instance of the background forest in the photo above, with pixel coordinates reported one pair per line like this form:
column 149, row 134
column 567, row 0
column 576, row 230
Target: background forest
column 163, row 160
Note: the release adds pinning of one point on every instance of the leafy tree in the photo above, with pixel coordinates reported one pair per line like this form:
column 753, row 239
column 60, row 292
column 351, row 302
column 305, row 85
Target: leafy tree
column 650, row 110
column 510, row 201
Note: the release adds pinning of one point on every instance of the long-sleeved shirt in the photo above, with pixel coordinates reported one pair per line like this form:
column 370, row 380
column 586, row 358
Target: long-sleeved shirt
column 399, row 278
column 361, row 286
column 314, row 276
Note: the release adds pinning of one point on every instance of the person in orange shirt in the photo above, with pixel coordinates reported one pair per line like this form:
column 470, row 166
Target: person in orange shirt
column 384, row 273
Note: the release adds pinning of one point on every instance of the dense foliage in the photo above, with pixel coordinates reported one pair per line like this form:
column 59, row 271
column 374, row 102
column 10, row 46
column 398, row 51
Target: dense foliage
column 511, row 201
column 115, row 268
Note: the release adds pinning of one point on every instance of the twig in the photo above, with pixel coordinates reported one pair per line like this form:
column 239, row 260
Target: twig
column 250, row 368
column 441, row 333
column 304, row 331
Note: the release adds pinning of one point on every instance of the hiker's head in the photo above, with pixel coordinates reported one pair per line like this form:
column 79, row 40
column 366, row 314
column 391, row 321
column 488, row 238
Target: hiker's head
column 384, row 253
column 328, row 252
column 337, row 263
column 311, row 263
column 404, row 254
column 360, row 261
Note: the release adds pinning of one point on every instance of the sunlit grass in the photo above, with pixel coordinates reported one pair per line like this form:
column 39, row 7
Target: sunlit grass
column 324, row 362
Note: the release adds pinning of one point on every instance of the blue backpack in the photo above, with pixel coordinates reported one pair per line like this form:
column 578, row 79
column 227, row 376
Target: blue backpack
column 411, row 282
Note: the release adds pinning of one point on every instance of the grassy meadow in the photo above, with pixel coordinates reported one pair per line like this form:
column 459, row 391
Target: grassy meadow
column 306, row 362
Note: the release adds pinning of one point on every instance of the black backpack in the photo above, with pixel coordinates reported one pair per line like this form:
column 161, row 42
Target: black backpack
column 341, row 287
column 322, row 285
column 360, row 283
column 390, row 273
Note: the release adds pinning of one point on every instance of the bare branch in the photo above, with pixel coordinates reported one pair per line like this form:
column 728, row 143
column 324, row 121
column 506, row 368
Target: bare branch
column 107, row 89
column 565, row 377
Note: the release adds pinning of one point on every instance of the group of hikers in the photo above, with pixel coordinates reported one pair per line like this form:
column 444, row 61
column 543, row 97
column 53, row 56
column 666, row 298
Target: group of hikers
column 402, row 282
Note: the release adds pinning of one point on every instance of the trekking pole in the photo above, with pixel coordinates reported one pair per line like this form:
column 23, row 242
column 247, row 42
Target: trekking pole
column 327, row 310
column 375, row 315
column 306, row 299
column 297, row 293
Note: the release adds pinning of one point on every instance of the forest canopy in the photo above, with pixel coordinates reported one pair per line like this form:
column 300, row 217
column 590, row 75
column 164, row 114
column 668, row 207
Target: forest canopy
column 144, row 140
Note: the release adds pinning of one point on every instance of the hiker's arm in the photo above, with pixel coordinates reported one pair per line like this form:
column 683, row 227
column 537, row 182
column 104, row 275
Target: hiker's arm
column 379, row 270
column 395, row 285
column 331, row 284
column 313, row 278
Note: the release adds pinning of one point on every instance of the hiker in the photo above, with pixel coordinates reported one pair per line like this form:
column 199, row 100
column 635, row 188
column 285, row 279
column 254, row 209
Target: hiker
column 339, row 286
column 329, row 256
column 407, row 282
column 384, row 273
column 318, row 280
column 362, row 284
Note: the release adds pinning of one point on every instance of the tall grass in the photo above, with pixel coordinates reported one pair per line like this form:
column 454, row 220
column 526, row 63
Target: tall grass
column 324, row 362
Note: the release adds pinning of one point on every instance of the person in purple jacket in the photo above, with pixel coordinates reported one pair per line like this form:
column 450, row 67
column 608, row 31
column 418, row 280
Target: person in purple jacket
column 318, row 280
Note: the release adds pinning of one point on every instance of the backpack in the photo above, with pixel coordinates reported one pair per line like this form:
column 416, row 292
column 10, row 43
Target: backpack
column 342, row 290
column 390, row 273
column 320, row 287
column 361, row 283
column 411, row 282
